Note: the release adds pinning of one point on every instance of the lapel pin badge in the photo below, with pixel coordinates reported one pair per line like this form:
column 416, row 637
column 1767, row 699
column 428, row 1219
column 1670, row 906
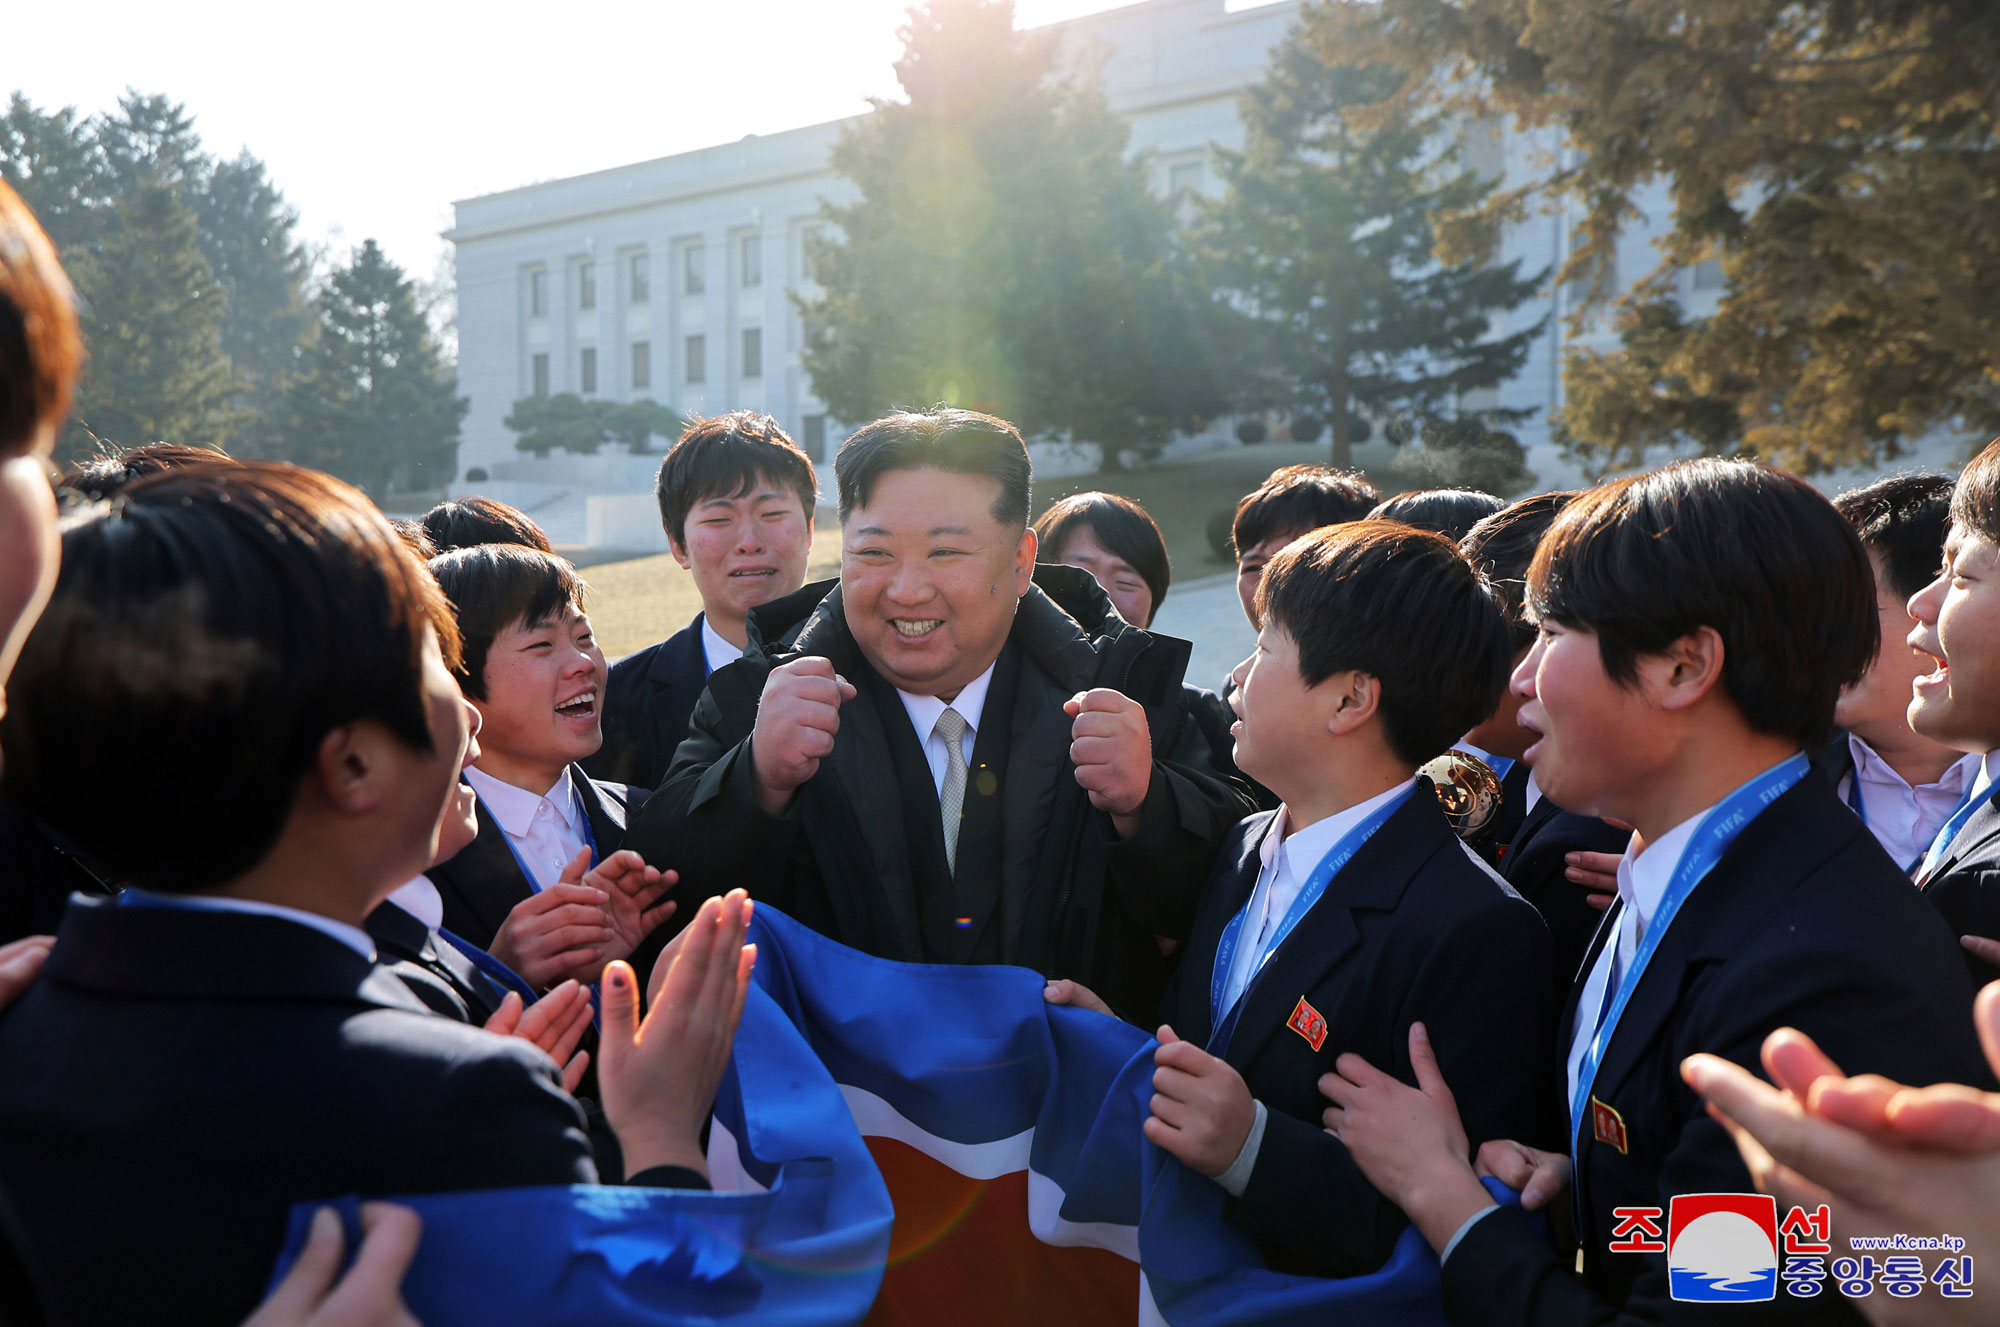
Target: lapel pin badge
column 1309, row 1023
column 1607, row 1125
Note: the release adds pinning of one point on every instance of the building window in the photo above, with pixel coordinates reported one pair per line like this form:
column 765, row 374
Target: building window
column 586, row 285
column 587, row 370
column 814, row 441
column 1185, row 178
column 538, row 370
column 638, row 280
column 753, row 352
column 694, row 270
column 697, row 358
column 1708, row 274
column 753, row 260
column 538, row 293
column 642, row 365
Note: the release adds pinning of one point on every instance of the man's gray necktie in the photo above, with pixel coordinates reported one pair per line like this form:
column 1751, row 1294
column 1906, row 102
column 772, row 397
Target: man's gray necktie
column 950, row 728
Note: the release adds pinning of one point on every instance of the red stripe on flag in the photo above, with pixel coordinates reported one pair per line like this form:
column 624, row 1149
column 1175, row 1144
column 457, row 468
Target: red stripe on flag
column 961, row 1254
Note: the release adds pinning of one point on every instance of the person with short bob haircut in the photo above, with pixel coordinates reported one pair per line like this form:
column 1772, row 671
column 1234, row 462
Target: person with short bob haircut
column 1697, row 624
column 1292, row 500
column 469, row 522
column 543, row 886
column 1535, row 837
column 1331, row 924
column 1114, row 539
column 736, row 499
column 1451, row 512
column 219, row 1042
column 952, row 755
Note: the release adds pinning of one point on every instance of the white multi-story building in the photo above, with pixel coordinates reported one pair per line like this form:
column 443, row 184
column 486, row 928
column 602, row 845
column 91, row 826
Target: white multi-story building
column 672, row 279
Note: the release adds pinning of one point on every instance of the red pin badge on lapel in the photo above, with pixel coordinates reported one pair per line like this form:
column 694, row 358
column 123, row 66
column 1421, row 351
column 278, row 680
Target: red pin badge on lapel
column 1607, row 1125
column 1308, row 1023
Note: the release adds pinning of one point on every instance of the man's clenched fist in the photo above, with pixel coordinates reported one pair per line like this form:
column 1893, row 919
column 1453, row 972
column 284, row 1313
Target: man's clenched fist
column 1113, row 754
column 796, row 720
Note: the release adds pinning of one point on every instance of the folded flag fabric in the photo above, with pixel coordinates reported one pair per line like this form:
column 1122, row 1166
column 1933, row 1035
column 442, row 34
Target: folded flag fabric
column 1009, row 1132
column 804, row 1242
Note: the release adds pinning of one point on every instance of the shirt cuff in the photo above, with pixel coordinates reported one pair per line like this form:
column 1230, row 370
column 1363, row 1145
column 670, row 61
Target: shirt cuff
column 1237, row 1177
column 1470, row 1222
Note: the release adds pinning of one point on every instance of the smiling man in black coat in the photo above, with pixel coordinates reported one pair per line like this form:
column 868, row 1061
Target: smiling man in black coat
column 951, row 756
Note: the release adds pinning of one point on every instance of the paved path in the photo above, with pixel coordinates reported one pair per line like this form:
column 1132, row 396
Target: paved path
column 1207, row 612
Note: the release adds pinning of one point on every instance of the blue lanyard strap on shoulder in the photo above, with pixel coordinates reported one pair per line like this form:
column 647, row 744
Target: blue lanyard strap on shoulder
column 1329, row 865
column 1712, row 837
column 1975, row 797
column 582, row 820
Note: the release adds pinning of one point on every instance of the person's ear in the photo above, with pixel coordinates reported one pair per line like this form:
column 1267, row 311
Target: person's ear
column 348, row 768
column 679, row 550
column 1689, row 669
column 1024, row 562
column 1351, row 699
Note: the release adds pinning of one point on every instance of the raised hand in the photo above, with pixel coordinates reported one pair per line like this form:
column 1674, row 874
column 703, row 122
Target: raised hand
column 632, row 891
column 369, row 1295
column 20, row 963
column 1065, row 991
column 657, row 1075
column 797, row 717
column 555, row 1023
column 1201, row 1108
column 548, row 935
column 1112, row 750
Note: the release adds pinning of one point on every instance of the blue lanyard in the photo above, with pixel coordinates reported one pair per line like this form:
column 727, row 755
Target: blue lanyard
column 1854, row 795
column 1316, row 883
column 1501, row 766
column 582, row 819
column 1956, row 822
column 1712, row 837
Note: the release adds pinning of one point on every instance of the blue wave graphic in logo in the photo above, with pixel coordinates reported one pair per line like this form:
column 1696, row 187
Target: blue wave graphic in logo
column 1690, row 1286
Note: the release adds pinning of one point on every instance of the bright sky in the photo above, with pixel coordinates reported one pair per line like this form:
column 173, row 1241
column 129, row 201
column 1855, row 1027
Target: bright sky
column 374, row 115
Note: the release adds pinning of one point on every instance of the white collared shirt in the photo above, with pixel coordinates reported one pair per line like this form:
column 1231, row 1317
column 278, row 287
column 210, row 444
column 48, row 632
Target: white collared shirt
column 1643, row 876
column 546, row 831
column 352, row 936
column 970, row 703
column 1289, row 856
column 714, row 649
column 420, row 898
column 1904, row 819
column 1534, row 793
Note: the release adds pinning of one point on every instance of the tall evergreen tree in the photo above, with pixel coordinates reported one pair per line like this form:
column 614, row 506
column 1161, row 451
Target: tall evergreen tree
column 156, row 371
column 373, row 402
column 1835, row 157
column 1004, row 251
column 249, row 236
column 1326, row 255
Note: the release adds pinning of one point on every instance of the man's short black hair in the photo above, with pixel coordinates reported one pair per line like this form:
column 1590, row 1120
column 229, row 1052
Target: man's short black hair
column 1501, row 546
column 1451, row 512
column 1122, row 526
column 470, row 522
column 1298, row 498
column 724, row 457
column 105, row 477
column 493, row 586
column 961, row 442
column 1756, row 554
column 1902, row 521
column 1975, row 500
column 1402, row 606
column 211, row 629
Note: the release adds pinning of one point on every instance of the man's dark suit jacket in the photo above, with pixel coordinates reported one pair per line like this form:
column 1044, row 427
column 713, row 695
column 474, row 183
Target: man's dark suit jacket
column 1805, row 923
column 446, row 981
column 481, row 885
column 38, row 874
column 647, row 703
column 1411, row 930
column 1534, row 865
column 859, row 855
column 1965, row 886
column 195, row 1074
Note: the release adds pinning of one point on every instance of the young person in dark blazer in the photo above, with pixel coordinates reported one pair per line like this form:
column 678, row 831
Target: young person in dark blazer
column 1697, row 624
column 736, row 497
column 1379, row 646
column 218, row 1043
column 542, row 886
column 1536, row 836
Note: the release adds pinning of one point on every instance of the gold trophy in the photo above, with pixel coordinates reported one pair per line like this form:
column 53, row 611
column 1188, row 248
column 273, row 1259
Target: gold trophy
column 1470, row 793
